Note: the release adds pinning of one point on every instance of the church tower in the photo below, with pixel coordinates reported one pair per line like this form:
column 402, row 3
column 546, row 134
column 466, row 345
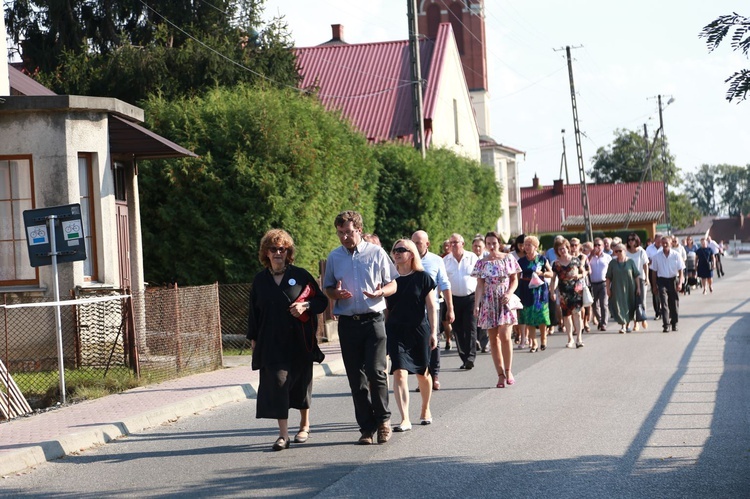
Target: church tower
column 467, row 20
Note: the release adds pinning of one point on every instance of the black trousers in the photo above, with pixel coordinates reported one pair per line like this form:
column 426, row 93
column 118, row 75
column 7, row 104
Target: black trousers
column 655, row 297
column 363, row 349
column 670, row 300
column 465, row 327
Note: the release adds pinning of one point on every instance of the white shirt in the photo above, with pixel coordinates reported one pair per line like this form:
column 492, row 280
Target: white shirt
column 667, row 265
column 639, row 257
column 714, row 247
column 651, row 250
column 679, row 249
column 459, row 273
column 599, row 266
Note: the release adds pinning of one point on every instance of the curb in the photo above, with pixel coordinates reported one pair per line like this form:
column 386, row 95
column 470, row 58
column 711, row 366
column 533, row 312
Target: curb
column 74, row 443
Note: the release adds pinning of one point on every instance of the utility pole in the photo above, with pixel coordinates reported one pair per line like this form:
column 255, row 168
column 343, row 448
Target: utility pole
column 564, row 160
column 645, row 136
column 579, row 151
column 666, row 167
column 416, row 77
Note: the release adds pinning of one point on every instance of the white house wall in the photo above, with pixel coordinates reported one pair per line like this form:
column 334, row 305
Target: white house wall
column 453, row 86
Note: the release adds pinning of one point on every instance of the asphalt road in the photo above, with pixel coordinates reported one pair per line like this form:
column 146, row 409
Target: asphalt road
column 646, row 414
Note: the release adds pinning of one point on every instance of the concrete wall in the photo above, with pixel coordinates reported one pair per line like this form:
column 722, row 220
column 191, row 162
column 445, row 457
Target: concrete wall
column 54, row 139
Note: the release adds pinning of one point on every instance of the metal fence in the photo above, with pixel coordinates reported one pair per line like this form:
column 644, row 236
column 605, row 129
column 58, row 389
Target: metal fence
column 155, row 334
column 234, row 302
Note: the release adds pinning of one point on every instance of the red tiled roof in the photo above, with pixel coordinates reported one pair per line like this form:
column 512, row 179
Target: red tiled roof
column 371, row 82
column 542, row 210
column 726, row 229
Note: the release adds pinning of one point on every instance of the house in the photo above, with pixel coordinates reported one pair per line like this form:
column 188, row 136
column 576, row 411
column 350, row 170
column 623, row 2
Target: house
column 370, row 84
column 66, row 149
column 733, row 231
column 558, row 208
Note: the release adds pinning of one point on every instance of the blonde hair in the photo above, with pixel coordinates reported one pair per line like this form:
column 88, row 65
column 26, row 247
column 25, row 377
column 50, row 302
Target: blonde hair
column 416, row 261
column 532, row 239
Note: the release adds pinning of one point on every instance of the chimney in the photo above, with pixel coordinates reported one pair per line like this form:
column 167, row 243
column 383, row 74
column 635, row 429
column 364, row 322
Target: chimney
column 535, row 182
column 337, row 32
column 557, row 186
column 4, row 78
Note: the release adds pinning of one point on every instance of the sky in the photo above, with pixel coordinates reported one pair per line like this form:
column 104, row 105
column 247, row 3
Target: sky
column 627, row 53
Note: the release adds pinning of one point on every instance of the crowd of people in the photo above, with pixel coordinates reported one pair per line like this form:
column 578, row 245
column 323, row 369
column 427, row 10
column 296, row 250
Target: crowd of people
column 391, row 308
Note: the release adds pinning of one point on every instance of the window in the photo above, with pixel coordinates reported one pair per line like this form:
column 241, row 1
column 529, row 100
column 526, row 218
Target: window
column 86, row 187
column 16, row 188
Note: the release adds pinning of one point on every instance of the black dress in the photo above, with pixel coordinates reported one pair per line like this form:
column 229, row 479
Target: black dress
column 285, row 346
column 407, row 327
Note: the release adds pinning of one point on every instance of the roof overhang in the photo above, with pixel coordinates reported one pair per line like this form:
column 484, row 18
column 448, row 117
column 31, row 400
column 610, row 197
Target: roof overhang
column 129, row 139
column 614, row 219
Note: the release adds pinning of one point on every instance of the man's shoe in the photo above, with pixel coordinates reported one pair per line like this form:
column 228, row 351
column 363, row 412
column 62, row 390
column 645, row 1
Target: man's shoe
column 365, row 439
column 665, row 329
column 447, row 346
column 435, row 383
column 462, row 366
column 384, row 432
column 674, row 327
column 469, row 365
column 484, row 349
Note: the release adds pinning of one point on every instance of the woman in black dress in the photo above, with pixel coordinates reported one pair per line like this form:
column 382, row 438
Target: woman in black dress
column 412, row 333
column 704, row 257
column 284, row 305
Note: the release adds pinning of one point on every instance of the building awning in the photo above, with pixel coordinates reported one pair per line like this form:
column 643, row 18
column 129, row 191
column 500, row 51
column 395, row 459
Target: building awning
column 129, row 139
column 614, row 218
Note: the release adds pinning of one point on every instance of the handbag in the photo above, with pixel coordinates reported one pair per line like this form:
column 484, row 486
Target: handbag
column 514, row 303
column 306, row 293
column 535, row 281
column 588, row 300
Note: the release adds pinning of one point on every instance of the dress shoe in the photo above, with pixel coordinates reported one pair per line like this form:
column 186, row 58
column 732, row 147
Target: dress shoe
column 435, row 383
column 462, row 366
column 402, row 427
column 365, row 439
column 447, row 346
column 425, row 421
column 665, row 329
column 674, row 327
column 384, row 432
column 484, row 349
column 301, row 436
column 281, row 443
column 469, row 365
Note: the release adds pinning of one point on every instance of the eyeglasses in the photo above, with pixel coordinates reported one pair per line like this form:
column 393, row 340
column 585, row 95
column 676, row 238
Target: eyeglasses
column 598, row 244
column 277, row 249
column 348, row 233
column 631, row 239
column 400, row 249
column 618, row 251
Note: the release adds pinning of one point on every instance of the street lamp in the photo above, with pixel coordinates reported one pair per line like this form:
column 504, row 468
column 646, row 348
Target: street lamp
column 667, row 215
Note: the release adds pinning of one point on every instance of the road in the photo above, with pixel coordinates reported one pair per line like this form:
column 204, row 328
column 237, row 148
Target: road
column 646, row 414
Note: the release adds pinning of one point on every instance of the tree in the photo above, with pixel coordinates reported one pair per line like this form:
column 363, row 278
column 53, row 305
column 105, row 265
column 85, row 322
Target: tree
column 734, row 182
column 715, row 32
column 268, row 158
column 683, row 212
column 626, row 158
column 147, row 49
column 701, row 188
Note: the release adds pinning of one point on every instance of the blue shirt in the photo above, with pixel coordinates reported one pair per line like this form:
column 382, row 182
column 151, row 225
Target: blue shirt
column 363, row 270
column 551, row 255
column 434, row 266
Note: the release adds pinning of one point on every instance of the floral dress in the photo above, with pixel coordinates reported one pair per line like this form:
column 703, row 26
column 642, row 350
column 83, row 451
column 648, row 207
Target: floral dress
column 496, row 275
column 570, row 286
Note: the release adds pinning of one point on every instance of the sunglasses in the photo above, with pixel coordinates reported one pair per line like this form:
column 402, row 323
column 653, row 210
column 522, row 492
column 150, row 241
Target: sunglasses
column 618, row 251
column 400, row 249
column 277, row 249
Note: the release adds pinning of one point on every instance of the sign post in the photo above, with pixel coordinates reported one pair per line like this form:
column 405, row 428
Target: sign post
column 55, row 235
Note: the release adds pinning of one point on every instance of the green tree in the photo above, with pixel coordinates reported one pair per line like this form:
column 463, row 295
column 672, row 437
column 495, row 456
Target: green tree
column 422, row 194
column 739, row 27
column 682, row 211
column 147, row 49
column 734, row 182
column 626, row 158
column 701, row 188
column 268, row 158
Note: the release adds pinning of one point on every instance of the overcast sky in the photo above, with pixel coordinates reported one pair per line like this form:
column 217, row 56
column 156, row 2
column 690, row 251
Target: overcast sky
column 631, row 52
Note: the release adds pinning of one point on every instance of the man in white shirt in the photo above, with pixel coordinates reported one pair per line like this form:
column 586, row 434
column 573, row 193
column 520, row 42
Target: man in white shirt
column 599, row 262
column 651, row 250
column 459, row 265
column 669, row 268
column 717, row 251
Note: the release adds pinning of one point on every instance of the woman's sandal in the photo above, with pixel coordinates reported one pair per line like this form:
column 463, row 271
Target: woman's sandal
column 301, row 436
column 281, row 443
column 500, row 382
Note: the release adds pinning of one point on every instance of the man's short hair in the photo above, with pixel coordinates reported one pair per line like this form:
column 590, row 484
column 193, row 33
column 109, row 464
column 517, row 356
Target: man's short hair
column 349, row 216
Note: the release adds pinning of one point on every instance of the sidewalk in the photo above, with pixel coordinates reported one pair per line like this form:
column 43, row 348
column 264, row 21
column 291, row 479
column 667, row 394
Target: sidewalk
column 26, row 442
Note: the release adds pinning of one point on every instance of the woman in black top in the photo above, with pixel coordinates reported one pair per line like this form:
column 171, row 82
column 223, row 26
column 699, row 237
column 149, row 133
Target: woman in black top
column 284, row 304
column 412, row 333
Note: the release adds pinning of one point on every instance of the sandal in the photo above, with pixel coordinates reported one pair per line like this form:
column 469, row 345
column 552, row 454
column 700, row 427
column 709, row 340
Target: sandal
column 500, row 381
column 281, row 443
column 301, row 436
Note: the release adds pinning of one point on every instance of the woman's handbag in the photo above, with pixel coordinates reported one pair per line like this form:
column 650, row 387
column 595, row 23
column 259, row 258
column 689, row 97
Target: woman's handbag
column 535, row 281
column 514, row 303
column 640, row 310
column 588, row 299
